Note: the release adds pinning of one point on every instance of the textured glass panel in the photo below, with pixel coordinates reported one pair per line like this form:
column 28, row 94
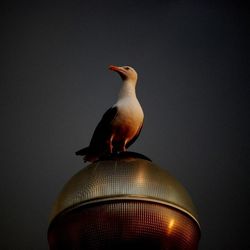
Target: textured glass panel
column 124, row 225
column 125, row 177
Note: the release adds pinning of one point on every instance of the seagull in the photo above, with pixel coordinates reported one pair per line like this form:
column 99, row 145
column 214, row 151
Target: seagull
column 121, row 124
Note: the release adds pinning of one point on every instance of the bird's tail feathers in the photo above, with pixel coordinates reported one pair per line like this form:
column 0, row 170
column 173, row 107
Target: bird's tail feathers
column 82, row 151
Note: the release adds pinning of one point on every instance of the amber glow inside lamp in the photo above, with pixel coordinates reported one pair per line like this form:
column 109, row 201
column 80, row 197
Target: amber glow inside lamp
column 123, row 201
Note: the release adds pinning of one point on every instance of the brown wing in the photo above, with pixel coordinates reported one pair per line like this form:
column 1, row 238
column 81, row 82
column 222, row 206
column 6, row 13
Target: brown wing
column 101, row 134
column 103, row 130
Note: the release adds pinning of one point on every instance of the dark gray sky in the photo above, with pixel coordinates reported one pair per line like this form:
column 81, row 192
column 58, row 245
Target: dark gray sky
column 192, row 58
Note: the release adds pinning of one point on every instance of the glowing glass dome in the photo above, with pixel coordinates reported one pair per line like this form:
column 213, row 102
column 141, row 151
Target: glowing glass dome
column 125, row 202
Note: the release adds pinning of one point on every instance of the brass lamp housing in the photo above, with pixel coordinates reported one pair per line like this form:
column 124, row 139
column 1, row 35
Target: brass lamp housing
column 123, row 202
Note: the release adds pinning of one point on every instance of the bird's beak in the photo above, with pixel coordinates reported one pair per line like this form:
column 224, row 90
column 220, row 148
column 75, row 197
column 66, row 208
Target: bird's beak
column 116, row 68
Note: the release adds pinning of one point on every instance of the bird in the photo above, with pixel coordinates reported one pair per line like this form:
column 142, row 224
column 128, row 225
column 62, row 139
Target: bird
column 121, row 124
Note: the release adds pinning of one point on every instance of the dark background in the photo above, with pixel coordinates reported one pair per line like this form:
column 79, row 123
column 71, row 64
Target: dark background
column 192, row 60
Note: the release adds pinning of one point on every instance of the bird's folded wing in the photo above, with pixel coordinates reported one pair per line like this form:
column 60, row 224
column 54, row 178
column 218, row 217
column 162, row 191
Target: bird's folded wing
column 104, row 126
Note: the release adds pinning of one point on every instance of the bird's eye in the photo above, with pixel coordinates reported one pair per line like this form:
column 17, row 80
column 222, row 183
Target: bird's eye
column 127, row 68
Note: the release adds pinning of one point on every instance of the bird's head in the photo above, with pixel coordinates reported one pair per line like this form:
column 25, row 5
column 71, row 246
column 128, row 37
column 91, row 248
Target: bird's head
column 127, row 73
